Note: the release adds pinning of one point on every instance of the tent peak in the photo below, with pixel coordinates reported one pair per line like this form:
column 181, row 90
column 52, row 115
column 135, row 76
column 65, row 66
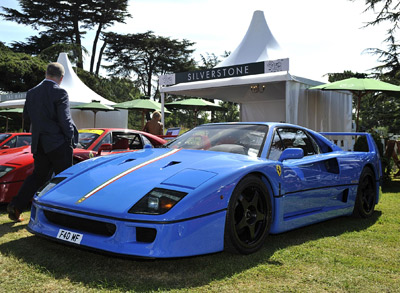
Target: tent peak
column 78, row 92
column 257, row 45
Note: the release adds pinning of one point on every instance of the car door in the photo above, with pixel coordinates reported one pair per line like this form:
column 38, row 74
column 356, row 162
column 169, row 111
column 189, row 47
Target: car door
column 308, row 184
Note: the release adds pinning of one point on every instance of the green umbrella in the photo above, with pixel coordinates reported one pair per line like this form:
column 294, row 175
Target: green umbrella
column 143, row 105
column 11, row 111
column 196, row 105
column 94, row 106
column 359, row 87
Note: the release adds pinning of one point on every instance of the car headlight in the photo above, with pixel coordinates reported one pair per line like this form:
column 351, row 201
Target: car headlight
column 45, row 188
column 157, row 202
column 5, row 169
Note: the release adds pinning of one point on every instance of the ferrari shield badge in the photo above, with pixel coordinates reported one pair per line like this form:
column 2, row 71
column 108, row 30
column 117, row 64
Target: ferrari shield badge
column 278, row 170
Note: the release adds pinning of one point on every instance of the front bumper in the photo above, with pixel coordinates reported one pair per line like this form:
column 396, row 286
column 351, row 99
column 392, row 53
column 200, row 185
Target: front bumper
column 188, row 237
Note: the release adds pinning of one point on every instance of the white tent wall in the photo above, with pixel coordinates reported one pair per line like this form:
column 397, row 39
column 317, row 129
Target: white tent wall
column 318, row 110
column 292, row 102
column 266, row 106
column 112, row 119
column 263, row 111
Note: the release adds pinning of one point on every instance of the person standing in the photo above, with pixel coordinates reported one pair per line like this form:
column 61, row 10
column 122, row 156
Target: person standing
column 154, row 126
column 54, row 135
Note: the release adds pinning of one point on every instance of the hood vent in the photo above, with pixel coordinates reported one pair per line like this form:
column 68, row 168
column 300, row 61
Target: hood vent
column 171, row 164
column 127, row 161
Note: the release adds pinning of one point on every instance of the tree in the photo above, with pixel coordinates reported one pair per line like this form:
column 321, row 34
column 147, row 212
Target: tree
column 105, row 14
column 388, row 11
column 380, row 109
column 22, row 71
column 209, row 61
column 66, row 22
column 147, row 56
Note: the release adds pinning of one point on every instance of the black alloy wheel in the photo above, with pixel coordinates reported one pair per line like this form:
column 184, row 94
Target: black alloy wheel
column 366, row 195
column 249, row 216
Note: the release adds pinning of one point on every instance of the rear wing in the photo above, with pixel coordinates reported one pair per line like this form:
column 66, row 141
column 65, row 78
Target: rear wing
column 347, row 140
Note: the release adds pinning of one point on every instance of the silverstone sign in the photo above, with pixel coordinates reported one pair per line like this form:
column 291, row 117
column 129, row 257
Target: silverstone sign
column 226, row 72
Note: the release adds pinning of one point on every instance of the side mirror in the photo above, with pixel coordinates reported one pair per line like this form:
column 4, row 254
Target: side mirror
column 104, row 147
column 291, row 153
column 5, row 147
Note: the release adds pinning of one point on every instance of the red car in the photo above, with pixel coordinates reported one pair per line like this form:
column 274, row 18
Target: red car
column 17, row 163
column 14, row 140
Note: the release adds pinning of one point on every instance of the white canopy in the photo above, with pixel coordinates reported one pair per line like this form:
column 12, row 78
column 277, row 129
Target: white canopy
column 273, row 96
column 78, row 92
column 257, row 45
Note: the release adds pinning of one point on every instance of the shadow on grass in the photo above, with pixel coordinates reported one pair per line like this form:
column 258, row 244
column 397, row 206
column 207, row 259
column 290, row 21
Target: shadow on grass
column 100, row 271
column 392, row 186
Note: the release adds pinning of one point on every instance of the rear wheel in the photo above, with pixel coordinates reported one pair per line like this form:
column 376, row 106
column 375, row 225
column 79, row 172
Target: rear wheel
column 366, row 195
column 249, row 216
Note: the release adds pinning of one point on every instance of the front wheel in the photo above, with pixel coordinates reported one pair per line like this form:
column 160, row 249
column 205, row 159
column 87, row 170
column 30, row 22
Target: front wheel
column 249, row 216
column 366, row 195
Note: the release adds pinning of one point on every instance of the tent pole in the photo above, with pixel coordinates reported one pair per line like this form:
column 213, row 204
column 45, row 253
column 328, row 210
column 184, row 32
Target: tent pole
column 162, row 108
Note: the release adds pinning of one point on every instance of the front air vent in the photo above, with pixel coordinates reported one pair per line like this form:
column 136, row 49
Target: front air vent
column 80, row 224
column 146, row 235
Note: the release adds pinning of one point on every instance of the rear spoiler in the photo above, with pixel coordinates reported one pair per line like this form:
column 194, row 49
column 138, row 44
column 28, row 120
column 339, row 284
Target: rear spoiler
column 346, row 140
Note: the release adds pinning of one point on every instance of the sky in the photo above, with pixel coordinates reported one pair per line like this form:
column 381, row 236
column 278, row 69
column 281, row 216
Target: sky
column 318, row 36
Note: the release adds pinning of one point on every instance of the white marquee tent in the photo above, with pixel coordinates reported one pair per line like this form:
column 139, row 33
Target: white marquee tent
column 79, row 93
column 270, row 95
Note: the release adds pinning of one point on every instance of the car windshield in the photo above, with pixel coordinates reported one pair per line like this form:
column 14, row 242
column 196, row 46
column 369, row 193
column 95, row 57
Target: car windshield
column 4, row 136
column 87, row 137
column 245, row 139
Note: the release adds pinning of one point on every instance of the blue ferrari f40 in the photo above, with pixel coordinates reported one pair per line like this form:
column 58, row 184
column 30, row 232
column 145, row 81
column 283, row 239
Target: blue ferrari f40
column 222, row 186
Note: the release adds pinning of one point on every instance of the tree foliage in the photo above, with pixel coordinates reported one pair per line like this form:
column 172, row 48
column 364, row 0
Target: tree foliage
column 388, row 11
column 66, row 22
column 146, row 56
column 20, row 71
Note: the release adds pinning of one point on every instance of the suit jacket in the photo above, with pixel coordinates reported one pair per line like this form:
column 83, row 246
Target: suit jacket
column 47, row 110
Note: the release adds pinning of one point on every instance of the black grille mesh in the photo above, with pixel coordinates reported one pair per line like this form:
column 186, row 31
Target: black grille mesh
column 80, row 224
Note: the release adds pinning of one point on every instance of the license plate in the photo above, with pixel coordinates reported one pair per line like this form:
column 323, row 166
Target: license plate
column 69, row 236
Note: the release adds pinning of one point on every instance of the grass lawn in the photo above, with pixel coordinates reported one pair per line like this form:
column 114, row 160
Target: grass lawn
column 340, row 255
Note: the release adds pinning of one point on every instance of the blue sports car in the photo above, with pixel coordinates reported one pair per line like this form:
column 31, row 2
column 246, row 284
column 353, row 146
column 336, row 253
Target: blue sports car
column 222, row 186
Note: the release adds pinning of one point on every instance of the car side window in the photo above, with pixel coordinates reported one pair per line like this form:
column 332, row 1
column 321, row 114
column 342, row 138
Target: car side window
column 106, row 139
column 297, row 138
column 23, row 140
column 146, row 140
column 276, row 148
column 12, row 142
column 136, row 142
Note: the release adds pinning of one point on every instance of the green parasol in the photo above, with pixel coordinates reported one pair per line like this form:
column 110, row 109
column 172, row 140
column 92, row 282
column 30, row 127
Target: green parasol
column 358, row 87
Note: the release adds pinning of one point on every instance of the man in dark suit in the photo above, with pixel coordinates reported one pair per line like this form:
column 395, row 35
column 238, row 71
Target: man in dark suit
column 54, row 135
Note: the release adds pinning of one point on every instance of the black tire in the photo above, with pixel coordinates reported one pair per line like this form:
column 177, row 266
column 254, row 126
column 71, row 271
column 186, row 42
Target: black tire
column 249, row 216
column 366, row 195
